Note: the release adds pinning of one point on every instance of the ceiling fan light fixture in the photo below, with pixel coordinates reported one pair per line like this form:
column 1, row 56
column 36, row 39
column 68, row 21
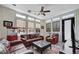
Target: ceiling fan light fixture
column 41, row 12
column 14, row 4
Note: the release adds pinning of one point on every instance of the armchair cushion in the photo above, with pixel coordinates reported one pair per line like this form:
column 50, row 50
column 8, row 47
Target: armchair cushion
column 54, row 39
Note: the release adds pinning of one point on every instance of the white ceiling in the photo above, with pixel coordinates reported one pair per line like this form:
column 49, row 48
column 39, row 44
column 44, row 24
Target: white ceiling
column 56, row 9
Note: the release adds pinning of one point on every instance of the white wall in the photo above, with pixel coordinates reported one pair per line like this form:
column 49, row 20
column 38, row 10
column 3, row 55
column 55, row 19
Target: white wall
column 10, row 15
column 77, row 24
column 5, row 14
column 43, row 31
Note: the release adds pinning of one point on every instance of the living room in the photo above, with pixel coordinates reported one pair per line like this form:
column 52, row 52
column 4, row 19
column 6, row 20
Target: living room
column 38, row 29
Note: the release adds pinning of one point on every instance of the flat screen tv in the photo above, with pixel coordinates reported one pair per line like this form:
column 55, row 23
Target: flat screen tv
column 7, row 23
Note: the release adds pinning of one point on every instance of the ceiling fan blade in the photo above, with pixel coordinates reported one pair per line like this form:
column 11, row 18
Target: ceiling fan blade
column 42, row 8
column 38, row 14
column 44, row 14
column 47, row 11
column 14, row 4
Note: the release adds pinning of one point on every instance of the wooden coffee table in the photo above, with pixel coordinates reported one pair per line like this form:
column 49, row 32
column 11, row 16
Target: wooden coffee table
column 41, row 45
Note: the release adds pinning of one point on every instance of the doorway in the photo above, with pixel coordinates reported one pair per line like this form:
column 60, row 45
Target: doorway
column 68, row 36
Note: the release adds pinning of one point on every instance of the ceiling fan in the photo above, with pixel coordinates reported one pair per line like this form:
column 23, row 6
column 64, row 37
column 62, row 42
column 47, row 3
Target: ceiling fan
column 41, row 12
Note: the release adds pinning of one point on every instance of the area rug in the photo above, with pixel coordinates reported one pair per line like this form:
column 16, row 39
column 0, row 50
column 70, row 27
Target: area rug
column 53, row 50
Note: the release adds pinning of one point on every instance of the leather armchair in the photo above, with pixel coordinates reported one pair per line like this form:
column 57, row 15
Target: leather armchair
column 53, row 39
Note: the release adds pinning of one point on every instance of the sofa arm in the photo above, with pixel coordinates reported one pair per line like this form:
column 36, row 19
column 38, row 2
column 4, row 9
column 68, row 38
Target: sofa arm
column 42, row 37
column 15, row 43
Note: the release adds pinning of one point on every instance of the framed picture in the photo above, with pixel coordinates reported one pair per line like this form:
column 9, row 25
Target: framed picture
column 7, row 23
column 42, row 27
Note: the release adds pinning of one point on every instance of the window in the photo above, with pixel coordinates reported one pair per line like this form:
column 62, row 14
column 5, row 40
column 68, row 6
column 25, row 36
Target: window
column 56, row 26
column 30, row 18
column 30, row 27
column 47, row 21
column 56, row 19
column 30, row 31
column 37, row 20
column 21, row 16
column 21, row 23
column 38, row 27
column 48, row 27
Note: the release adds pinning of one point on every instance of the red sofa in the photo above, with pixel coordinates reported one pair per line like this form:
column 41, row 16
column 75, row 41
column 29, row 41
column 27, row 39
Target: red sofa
column 28, row 39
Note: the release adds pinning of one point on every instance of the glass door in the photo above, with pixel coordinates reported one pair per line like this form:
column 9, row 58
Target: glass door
column 68, row 36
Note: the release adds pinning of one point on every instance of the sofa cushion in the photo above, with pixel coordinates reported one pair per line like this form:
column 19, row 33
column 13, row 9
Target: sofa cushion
column 23, row 51
column 35, row 39
column 15, row 41
column 12, row 37
column 30, row 40
column 17, row 47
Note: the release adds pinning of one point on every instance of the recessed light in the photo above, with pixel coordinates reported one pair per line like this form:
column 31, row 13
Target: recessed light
column 14, row 4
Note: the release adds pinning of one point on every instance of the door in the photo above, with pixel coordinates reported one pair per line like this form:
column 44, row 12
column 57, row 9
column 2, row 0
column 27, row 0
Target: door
column 68, row 36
